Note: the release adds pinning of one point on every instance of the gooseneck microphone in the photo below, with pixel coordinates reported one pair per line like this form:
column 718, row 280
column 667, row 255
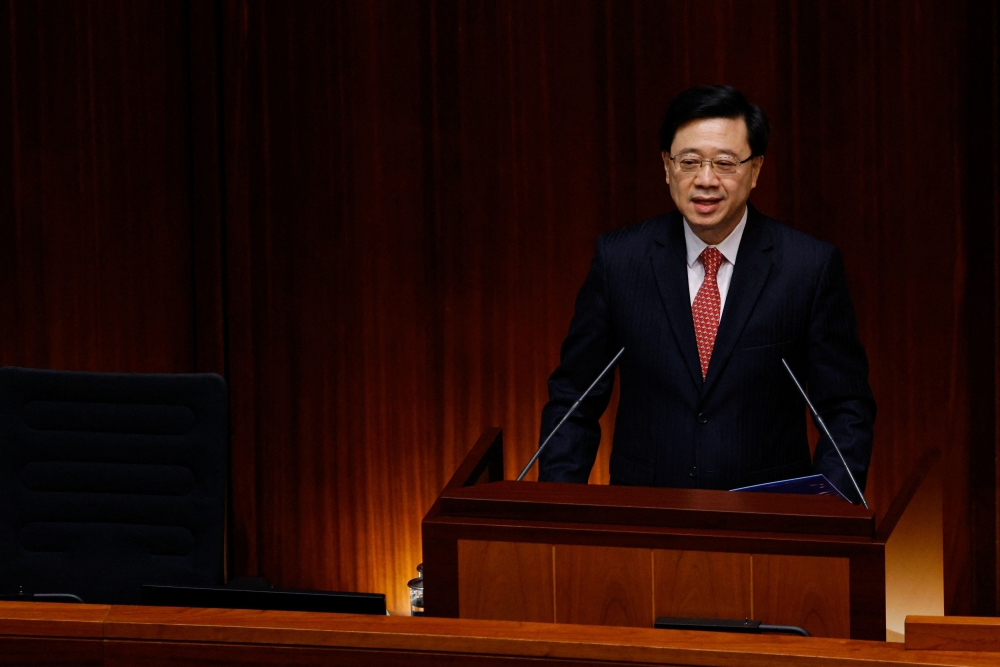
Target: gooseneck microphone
column 568, row 413
column 826, row 431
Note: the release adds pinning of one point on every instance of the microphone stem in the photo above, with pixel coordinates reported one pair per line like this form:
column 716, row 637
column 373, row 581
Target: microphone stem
column 826, row 431
column 568, row 413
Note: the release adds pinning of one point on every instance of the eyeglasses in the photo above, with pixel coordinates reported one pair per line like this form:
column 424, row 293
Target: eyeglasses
column 724, row 164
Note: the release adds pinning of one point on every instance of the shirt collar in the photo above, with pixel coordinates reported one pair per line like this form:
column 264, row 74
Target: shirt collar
column 729, row 247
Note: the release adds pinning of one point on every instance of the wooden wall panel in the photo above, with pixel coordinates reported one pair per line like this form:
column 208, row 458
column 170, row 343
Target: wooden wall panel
column 334, row 295
column 95, row 225
column 700, row 584
column 506, row 581
column 787, row 589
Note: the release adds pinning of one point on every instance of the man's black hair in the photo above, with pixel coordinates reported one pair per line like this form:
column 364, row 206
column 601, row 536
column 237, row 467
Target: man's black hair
column 715, row 102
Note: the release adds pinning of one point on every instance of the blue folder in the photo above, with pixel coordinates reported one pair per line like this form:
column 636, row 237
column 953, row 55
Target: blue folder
column 812, row 485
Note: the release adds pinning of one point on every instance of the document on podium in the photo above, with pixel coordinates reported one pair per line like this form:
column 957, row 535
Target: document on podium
column 812, row 485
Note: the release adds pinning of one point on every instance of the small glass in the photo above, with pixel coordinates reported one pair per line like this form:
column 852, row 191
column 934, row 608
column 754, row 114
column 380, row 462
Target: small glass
column 416, row 596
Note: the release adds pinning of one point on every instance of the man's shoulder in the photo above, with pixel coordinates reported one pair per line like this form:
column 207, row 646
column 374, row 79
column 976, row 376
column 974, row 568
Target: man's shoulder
column 641, row 234
column 792, row 242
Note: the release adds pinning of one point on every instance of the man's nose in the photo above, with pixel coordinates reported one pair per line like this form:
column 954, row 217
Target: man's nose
column 705, row 175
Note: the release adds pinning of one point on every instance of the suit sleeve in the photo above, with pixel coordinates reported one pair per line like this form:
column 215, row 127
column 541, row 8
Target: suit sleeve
column 586, row 351
column 838, row 381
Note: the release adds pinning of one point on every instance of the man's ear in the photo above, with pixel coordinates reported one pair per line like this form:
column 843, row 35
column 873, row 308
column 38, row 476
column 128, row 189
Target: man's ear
column 755, row 166
column 666, row 164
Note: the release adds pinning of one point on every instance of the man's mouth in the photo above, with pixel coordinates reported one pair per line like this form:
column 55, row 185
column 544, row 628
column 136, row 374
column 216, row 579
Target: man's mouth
column 706, row 205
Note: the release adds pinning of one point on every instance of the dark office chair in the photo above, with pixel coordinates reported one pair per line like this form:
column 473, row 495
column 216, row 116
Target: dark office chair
column 110, row 481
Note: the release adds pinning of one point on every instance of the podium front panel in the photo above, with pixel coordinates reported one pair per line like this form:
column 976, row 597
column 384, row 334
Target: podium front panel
column 702, row 584
column 604, row 585
column 505, row 581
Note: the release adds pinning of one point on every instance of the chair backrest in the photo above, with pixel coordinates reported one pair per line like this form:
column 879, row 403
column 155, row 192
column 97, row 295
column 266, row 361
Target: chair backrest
column 110, row 481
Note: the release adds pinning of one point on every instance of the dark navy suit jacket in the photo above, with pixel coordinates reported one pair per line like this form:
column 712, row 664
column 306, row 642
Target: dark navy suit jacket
column 746, row 422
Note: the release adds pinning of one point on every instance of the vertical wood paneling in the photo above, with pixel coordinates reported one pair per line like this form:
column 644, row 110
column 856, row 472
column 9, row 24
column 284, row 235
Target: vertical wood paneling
column 207, row 221
column 95, row 232
column 332, row 306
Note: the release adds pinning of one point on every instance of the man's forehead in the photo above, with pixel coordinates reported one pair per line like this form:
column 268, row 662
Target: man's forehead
column 711, row 134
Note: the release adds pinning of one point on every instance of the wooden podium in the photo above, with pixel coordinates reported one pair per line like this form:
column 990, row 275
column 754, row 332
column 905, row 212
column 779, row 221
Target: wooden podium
column 602, row 555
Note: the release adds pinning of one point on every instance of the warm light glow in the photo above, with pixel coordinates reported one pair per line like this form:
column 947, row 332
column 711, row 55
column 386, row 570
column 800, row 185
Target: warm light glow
column 914, row 561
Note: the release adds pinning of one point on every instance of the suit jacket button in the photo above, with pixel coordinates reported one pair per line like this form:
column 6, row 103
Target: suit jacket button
column 693, row 471
column 702, row 418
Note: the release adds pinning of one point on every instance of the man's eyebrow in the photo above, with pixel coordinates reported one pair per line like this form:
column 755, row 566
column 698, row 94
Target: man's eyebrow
column 716, row 151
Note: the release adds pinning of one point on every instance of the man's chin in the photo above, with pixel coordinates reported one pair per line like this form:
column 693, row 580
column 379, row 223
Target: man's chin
column 703, row 223
column 710, row 229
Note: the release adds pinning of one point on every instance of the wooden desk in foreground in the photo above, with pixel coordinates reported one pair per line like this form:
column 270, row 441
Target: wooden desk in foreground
column 49, row 634
column 953, row 633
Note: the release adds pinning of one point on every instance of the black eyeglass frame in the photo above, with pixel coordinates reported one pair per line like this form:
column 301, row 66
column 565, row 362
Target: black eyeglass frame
column 703, row 161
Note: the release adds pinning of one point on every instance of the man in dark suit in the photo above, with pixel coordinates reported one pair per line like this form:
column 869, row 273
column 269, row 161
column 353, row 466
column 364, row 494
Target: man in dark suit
column 706, row 302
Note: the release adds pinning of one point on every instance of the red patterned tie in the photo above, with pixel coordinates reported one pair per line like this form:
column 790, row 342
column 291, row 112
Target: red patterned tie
column 705, row 309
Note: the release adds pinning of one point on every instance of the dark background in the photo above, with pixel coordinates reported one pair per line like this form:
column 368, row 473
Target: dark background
column 372, row 218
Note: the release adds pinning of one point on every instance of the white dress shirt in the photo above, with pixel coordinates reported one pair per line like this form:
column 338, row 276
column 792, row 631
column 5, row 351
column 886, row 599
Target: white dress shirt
column 696, row 270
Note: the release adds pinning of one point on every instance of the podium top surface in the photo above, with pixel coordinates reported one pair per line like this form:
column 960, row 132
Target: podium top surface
column 659, row 507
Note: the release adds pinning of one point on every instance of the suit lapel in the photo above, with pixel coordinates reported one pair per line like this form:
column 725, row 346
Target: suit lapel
column 753, row 266
column 669, row 259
